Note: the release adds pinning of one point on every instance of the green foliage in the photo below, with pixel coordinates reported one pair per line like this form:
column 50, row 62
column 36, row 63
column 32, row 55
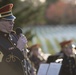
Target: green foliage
column 30, row 16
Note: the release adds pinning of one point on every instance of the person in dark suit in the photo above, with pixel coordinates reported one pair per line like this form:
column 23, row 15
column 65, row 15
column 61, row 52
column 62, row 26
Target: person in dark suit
column 11, row 47
column 69, row 58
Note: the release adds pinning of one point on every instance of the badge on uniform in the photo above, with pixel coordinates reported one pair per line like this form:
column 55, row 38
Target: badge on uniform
column 1, row 56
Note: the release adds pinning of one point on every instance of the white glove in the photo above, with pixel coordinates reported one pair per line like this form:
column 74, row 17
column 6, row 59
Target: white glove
column 22, row 42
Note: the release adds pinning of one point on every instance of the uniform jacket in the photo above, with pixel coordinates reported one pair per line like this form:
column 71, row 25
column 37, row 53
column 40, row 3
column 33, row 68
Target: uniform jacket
column 10, row 56
column 68, row 66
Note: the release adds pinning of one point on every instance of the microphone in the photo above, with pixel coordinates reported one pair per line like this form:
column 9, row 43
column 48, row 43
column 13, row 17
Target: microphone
column 18, row 31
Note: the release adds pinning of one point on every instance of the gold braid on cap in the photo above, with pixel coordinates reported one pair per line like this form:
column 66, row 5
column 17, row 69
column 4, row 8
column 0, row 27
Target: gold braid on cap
column 5, row 14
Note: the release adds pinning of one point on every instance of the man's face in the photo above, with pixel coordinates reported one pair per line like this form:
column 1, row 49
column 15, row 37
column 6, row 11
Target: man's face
column 68, row 50
column 37, row 51
column 6, row 25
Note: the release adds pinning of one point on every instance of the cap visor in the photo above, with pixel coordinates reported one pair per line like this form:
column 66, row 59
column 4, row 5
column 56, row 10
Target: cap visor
column 10, row 17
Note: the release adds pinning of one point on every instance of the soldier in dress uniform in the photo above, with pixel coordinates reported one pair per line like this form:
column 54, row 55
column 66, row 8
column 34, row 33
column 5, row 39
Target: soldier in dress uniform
column 11, row 56
column 69, row 58
column 35, row 55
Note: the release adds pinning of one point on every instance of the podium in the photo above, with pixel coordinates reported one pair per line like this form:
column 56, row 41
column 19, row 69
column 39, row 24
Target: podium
column 49, row 69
